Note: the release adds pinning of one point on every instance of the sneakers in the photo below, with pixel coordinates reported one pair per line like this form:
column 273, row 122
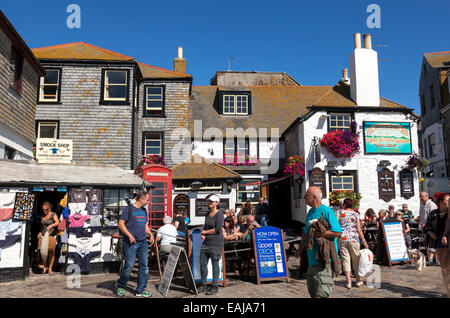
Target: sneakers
column 145, row 294
column 359, row 284
column 119, row 291
column 201, row 289
column 212, row 291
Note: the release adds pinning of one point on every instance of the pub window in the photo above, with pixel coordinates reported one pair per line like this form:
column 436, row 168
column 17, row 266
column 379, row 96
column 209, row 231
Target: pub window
column 16, row 65
column 248, row 189
column 47, row 129
column 154, row 101
column 432, row 145
column 50, row 86
column 236, row 150
column 235, row 104
column 153, row 144
column 115, row 200
column 340, row 121
column 115, row 85
column 342, row 182
column 208, row 185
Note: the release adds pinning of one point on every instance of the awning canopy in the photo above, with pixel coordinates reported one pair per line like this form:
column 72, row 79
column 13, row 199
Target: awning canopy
column 18, row 172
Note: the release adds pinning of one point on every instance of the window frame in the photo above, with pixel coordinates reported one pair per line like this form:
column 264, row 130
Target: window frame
column 38, row 122
column 42, row 84
column 256, row 198
column 162, row 114
column 202, row 188
column 144, row 141
column 114, row 101
column 16, row 75
column 352, row 118
column 235, row 149
column 235, row 95
column 432, row 146
column 353, row 173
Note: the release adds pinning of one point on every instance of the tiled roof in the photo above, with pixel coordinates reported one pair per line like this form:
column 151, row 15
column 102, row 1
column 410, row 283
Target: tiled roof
column 198, row 168
column 272, row 106
column 149, row 71
column 438, row 59
column 339, row 96
column 79, row 51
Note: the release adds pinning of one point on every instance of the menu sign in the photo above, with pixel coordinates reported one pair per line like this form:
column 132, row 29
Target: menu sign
column 317, row 179
column 407, row 184
column 386, row 185
column 202, row 209
column 397, row 250
column 181, row 203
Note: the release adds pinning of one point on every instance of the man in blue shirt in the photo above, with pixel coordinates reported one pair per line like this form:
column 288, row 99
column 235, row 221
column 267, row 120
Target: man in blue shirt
column 134, row 225
column 319, row 280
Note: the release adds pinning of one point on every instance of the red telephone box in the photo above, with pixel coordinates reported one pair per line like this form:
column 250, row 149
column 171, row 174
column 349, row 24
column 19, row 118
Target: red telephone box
column 160, row 204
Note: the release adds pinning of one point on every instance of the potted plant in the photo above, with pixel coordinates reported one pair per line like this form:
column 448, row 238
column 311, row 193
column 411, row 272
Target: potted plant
column 295, row 165
column 342, row 144
column 151, row 159
column 336, row 195
column 416, row 162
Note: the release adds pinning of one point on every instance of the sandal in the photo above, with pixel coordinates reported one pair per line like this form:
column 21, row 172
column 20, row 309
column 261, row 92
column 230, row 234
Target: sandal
column 349, row 286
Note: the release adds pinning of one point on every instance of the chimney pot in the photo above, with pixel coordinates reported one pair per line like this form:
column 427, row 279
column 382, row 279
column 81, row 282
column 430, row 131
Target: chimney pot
column 179, row 63
column 345, row 73
column 180, row 52
column 368, row 41
column 357, row 40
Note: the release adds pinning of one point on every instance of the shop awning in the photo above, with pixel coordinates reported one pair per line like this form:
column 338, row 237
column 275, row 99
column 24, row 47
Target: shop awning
column 18, row 172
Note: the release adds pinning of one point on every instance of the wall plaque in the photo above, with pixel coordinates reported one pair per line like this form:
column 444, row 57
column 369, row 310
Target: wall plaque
column 386, row 185
column 317, row 179
column 407, row 183
column 181, row 203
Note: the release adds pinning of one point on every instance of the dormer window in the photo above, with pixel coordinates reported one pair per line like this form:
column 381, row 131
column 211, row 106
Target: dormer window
column 235, row 103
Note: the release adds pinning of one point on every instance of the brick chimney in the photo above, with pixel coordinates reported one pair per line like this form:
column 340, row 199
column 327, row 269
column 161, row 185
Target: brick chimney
column 179, row 63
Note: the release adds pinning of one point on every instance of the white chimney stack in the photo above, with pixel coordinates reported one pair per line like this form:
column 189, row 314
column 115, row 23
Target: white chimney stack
column 364, row 81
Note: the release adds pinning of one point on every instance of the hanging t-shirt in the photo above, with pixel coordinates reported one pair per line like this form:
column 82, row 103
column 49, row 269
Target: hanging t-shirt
column 77, row 196
column 94, row 208
column 77, row 220
column 95, row 196
column 135, row 220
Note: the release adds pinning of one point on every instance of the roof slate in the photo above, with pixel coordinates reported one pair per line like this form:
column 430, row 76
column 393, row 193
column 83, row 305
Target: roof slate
column 197, row 168
column 149, row 71
column 438, row 59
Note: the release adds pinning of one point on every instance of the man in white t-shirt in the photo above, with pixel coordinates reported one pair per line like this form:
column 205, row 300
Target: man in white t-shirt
column 167, row 234
column 426, row 206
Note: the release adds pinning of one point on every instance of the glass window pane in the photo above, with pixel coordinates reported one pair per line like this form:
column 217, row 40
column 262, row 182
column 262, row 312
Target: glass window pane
column 348, row 179
column 337, row 186
column 51, row 77
column 117, row 91
column 111, row 197
column 337, row 179
column 116, row 77
column 154, row 90
column 157, row 207
column 47, row 131
column 348, row 186
column 158, row 200
column 50, row 91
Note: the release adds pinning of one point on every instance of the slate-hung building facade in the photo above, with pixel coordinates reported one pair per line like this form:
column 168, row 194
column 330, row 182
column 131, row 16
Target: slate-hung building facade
column 113, row 108
column 19, row 74
column 434, row 93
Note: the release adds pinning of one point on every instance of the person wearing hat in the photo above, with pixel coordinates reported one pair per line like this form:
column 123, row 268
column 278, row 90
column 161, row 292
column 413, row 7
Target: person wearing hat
column 212, row 247
column 167, row 234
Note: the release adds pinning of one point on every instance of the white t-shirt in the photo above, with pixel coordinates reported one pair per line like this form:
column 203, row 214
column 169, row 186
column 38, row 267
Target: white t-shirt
column 425, row 210
column 168, row 234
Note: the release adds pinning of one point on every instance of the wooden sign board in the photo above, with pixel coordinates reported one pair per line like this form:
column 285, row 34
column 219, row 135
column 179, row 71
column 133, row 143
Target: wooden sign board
column 181, row 203
column 317, row 179
column 407, row 184
column 195, row 243
column 177, row 256
column 395, row 241
column 202, row 209
column 386, row 185
column 270, row 256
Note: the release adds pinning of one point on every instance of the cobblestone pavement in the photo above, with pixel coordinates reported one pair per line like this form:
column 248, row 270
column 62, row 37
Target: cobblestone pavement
column 400, row 281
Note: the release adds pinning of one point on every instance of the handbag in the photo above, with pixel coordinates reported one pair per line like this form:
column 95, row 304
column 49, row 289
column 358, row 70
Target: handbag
column 62, row 225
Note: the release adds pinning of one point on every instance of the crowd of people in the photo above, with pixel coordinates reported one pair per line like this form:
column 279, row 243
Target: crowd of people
column 346, row 228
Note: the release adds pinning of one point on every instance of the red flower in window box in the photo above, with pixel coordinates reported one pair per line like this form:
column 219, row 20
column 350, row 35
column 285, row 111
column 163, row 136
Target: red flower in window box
column 295, row 165
column 342, row 144
column 152, row 159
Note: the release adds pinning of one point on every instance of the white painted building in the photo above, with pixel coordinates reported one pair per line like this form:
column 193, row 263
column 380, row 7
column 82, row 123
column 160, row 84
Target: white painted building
column 355, row 99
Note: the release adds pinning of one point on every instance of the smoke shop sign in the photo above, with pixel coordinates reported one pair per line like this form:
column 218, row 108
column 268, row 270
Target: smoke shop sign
column 54, row 150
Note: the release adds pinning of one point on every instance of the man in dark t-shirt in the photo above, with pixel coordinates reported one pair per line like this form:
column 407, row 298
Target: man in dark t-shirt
column 262, row 212
column 134, row 225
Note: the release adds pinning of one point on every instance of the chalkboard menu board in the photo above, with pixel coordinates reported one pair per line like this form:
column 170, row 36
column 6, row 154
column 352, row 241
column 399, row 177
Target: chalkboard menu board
column 202, row 209
column 317, row 179
column 386, row 185
column 181, row 203
column 407, row 183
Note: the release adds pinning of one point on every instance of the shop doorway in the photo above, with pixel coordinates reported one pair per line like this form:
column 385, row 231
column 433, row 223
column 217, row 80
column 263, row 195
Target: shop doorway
column 54, row 197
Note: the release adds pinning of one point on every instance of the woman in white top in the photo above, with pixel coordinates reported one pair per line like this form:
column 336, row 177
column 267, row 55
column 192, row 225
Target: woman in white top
column 167, row 234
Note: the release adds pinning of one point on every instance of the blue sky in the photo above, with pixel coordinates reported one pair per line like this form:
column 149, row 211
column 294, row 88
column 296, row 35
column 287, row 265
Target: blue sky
column 310, row 40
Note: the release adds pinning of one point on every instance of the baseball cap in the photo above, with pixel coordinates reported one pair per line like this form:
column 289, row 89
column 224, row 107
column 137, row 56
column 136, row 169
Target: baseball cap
column 214, row 197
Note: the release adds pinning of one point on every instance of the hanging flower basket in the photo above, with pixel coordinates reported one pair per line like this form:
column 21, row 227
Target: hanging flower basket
column 336, row 195
column 239, row 160
column 416, row 162
column 295, row 165
column 342, row 144
column 151, row 159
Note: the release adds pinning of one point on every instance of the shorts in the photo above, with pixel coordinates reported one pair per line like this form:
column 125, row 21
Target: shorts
column 319, row 281
column 350, row 255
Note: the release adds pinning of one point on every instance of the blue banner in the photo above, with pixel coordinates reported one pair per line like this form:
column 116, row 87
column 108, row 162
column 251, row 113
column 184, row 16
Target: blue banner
column 270, row 253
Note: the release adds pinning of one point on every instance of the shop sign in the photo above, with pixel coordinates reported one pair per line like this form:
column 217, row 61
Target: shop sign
column 407, row 184
column 181, row 203
column 386, row 185
column 387, row 138
column 317, row 179
column 54, row 150
column 202, row 208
